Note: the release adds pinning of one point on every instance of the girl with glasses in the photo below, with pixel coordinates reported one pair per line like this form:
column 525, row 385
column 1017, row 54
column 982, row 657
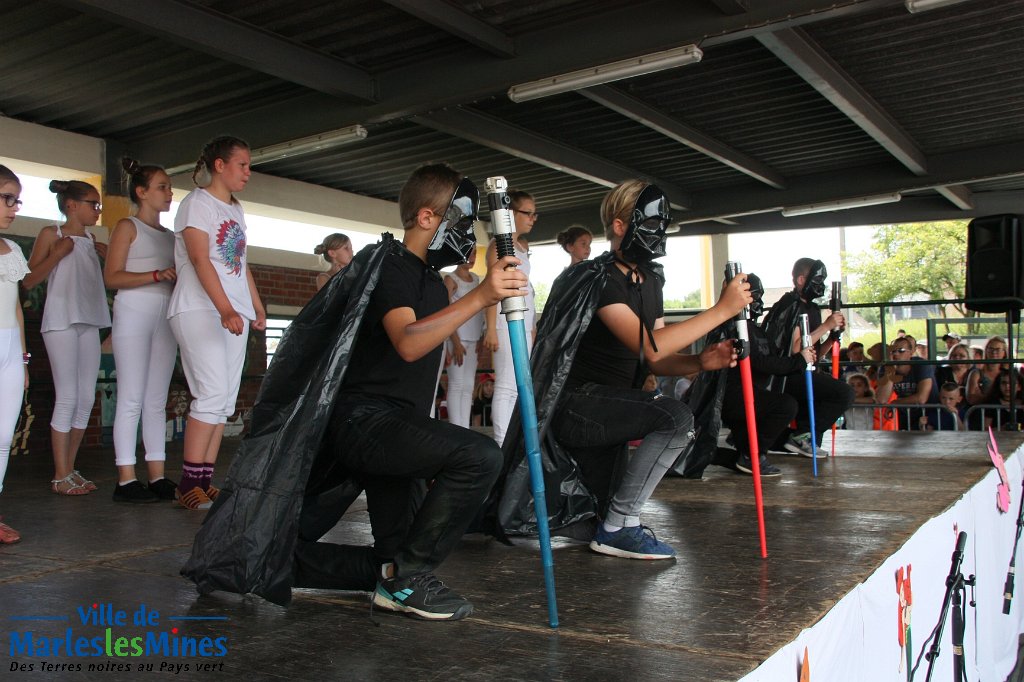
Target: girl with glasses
column 13, row 358
column 68, row 257
column 524, row 211
column 141, row 267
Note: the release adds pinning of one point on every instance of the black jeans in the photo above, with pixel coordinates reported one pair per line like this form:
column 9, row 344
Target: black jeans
column 593, row 417
column 389, row 448
column 773, row 411
column 831, row 399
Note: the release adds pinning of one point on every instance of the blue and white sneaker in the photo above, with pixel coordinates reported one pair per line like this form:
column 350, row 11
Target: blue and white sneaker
column 634, row 542
column 421, row 596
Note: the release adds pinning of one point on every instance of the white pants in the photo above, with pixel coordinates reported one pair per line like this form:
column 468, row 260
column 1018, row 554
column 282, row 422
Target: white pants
column 75, row 364
column 212, row 358
column 12, row 391
column 144, row 352
column 461, row 381
column 503, row 404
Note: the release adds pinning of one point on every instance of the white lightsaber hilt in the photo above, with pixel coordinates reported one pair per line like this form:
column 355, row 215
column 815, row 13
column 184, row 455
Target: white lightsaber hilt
column 733, row 268
column 502, row 227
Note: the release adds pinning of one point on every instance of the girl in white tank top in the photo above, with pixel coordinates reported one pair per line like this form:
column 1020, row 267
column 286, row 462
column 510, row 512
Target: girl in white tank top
column 463, row 346
column 13, row 358
column 140, row 265
column 74, row 312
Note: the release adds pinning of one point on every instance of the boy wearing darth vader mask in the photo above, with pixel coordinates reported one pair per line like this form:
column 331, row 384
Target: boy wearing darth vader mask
column 831, row 396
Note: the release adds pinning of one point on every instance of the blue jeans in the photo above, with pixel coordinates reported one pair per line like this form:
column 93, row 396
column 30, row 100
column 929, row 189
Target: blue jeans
column 592, row 417
column 389, row 446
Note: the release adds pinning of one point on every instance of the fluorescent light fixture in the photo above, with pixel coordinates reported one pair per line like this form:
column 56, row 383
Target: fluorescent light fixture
column 842, row 204
column 303, row 145
column 606, row 73
column 925, row 5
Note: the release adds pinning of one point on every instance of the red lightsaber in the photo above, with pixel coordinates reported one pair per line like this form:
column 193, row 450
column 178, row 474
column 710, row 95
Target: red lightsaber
column 732, row 268
column 836, row 304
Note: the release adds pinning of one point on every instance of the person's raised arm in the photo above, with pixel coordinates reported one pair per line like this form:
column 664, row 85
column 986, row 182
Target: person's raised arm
column 624, row 323
column 414, row 338
column 490, row 340
column 47, row 251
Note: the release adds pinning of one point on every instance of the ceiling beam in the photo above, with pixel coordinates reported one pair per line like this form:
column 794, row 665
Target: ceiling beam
column 453, row 20
column 219, row 35
column 954, row 168
column 796, row 49
column 497, row 134
column 656, row 120
column 958, row 195
column 416, row 88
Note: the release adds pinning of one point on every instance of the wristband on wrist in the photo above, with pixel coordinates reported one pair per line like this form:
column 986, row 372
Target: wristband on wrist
column 156, row 275
column 25, row 357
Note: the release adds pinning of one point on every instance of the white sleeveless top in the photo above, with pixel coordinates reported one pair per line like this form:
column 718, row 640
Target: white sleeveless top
column 473, row 328
column 13, row 269
column 530, row 314
column 152, row 250
column 74, row 290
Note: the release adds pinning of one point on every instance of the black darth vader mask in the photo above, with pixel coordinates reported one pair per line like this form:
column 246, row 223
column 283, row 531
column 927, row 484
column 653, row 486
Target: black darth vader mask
column 455, row 238
column 756, row 306
column 814, row 284
column 645, row 237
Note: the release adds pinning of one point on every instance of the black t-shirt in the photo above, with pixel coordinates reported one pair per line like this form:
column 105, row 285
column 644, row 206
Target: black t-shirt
column 601, row 357
column 375, row 367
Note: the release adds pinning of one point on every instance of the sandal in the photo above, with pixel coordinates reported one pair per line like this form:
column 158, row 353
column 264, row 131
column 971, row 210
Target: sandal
column 8, row 536
column 68, row 486
column 212, row 492
column 193, row 499
column 82, row 481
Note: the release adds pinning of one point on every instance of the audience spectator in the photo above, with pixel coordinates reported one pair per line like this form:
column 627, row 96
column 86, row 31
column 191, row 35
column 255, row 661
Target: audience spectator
column 948, row 417
column 912, row 381
column 1007, row 416
column 951, row 339
column 956, row 372
column 860, row 418
column 979, row 383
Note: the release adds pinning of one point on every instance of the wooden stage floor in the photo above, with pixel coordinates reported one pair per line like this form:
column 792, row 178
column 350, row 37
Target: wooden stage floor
column 713, row 614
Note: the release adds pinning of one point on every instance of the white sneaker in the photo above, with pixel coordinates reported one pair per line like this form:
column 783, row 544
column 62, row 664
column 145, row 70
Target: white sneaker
column 801, row 445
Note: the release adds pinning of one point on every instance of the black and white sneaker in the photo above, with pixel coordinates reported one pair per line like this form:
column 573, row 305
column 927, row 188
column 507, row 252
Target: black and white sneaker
column 764, row 467
column 421, row 596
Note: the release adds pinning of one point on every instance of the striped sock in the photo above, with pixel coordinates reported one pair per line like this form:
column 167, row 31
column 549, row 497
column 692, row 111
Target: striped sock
column 191, row 476
column 207, row 476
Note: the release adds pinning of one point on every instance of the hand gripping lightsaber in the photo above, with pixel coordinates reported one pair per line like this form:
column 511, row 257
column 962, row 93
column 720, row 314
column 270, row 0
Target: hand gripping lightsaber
column 733, row 268
column 805, row 342
column 513, row 308
column 836, row 305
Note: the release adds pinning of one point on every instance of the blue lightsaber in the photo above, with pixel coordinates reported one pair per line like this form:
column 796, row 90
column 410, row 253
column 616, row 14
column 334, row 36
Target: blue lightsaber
column 805, row 342
column 513, row 308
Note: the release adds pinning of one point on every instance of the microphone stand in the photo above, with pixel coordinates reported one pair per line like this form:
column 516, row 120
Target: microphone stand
column 732, row 269
column 1008, row 586
column 955, row 587
column 513, row 308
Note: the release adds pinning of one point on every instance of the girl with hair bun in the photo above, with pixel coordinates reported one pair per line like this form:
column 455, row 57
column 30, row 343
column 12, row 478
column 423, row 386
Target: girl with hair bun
column 13, row 358
column 337, row 250
column 140, row 265
column 575, row 241
column 68, row 257
column 214, row 304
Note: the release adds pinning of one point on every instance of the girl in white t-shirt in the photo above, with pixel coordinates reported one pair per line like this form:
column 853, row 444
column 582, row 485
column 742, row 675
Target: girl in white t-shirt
column 503, row 404
column 13, row 358
column 68, row 258
column 140, row 265
column 212, row 308
column 463, row 346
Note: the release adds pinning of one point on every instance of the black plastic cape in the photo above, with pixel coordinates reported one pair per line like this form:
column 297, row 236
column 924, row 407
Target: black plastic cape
column 573, row 497
column 248, row 538
column 780, row 321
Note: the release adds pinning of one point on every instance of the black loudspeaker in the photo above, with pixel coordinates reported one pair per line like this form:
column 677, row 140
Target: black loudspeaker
column 994, row 262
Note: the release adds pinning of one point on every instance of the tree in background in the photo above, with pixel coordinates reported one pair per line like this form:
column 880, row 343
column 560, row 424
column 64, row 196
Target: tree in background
column 909, row 259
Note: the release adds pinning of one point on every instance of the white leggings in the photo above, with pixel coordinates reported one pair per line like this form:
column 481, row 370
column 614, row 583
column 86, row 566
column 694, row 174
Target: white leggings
column 75, row 364
column 212, row 358
column 12, row 390
column 503, row 403
column 461, row 381
column 144, row 352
